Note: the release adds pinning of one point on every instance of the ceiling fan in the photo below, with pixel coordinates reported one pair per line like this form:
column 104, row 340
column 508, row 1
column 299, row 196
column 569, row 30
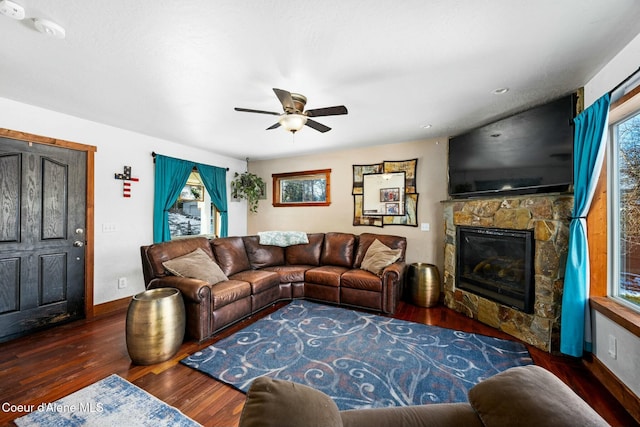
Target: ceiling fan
column 294, row 116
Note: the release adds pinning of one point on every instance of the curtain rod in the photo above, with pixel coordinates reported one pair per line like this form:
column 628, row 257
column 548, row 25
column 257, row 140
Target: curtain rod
column 153, row 154
column 622, row 83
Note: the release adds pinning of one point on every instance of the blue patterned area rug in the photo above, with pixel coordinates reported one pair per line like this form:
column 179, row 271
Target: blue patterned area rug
column 112, row 401
column 359, row 359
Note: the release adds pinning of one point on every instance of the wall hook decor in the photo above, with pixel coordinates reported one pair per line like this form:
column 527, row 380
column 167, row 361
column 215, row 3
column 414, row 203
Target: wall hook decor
column 126, row 181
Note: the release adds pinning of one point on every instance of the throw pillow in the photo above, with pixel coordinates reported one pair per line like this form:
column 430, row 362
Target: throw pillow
column 379, row 256
column 280, row 403
column 197, row 265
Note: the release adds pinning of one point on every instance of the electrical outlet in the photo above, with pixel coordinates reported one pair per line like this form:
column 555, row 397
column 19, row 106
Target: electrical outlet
column 122, row 282
column 613, row 347
column 425, row 226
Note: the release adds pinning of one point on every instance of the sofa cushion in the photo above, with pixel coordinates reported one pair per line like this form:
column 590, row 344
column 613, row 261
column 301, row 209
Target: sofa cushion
column 379, row 256
column 261, row 256
column 366, row 239
column 260, row 280
column 361, row 279
column 327, row 275
column 280, row 403
column 338, row 249
column 290, row 273
column 307, row 254
column 230, row 254
column 197, row 265
column 530, row 396
column 229, row 291
column 431, row 415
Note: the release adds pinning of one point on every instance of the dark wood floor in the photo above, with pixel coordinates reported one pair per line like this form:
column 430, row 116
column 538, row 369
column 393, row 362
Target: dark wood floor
column 50, row 364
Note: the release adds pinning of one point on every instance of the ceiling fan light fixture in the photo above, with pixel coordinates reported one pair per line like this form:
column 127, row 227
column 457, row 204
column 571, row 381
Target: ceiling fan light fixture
column 292, row 122
column 295, row 116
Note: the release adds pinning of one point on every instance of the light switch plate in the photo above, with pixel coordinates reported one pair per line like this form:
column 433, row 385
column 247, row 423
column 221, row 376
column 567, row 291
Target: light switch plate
column 109, row 227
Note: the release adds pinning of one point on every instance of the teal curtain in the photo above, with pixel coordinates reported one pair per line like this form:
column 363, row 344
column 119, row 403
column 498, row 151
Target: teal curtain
column 588, row 154
column 170, row 177
column 215, row 181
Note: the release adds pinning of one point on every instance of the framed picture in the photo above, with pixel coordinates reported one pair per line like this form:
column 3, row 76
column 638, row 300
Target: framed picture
column 192, row 193
column 385, row 194
column 390, row 194
column 392, row 208
column 306, row 188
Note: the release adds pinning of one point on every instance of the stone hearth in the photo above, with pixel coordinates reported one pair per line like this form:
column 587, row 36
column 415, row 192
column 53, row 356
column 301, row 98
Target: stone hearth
column 548, row 216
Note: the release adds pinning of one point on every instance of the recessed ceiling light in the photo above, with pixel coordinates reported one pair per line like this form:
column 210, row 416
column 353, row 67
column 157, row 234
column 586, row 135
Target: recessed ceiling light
column 500, row 90
column 427, row 126
column 49, row 28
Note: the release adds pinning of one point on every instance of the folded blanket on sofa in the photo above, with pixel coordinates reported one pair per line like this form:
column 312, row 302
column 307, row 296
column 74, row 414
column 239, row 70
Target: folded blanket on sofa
column 283, row 238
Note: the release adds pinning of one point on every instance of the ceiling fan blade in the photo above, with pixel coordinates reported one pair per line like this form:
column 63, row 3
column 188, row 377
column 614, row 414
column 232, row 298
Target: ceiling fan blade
column 274, row 126
column 285, row 99
column 317, row 126
column 248, row 110
column 328, row 111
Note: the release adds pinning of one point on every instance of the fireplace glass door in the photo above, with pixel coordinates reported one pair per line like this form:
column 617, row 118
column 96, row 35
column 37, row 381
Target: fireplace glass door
column 496, row 264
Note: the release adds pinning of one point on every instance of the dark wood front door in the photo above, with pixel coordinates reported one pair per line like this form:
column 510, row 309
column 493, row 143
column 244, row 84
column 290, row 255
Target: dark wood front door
column 42, row 236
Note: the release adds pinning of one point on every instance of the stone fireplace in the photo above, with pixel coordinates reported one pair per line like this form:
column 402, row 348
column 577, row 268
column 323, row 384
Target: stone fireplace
column 546, row 219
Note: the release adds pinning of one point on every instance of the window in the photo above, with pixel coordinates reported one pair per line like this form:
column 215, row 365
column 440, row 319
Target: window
column 193, row 213
column 308, row 188
column 624, row 190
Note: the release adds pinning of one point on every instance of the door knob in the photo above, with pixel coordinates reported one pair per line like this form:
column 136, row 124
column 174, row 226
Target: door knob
column 78, row 244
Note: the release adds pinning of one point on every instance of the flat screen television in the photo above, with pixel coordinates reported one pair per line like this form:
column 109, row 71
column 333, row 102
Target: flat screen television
column 529, row 152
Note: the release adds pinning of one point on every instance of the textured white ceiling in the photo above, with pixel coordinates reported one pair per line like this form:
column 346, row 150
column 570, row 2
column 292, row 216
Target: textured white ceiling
column 175, row 69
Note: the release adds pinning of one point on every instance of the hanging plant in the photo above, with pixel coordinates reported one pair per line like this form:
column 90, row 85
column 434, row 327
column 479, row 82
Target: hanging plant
column 196, row 193
column 248, row 186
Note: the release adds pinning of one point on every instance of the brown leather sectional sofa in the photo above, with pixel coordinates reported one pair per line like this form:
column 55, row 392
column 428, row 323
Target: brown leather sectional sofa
column 326, row 269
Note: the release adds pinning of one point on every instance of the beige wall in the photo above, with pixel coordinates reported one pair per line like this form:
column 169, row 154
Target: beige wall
column 422, row 246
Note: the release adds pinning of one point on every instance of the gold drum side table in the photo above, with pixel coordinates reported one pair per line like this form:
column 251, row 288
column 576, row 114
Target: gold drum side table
column 155, row 325
column 424, row 284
